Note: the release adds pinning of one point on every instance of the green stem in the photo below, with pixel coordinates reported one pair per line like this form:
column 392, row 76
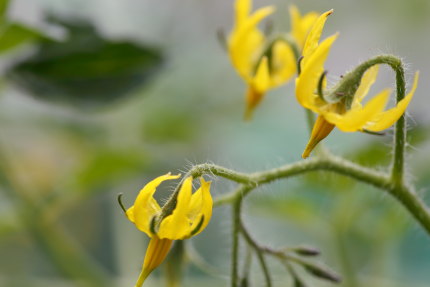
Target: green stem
column 414, row 204
column 236, row 209
column 259, row 253
column 397, row 171
column 406, row 196
column 267, row 52
column 316, row 269
column 349, row 85
column 348, row 271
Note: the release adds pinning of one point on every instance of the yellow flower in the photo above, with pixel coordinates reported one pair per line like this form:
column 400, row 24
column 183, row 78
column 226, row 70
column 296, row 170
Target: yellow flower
column 263, row 64
column 300, row 26
column 347, row 114
column 188, row 217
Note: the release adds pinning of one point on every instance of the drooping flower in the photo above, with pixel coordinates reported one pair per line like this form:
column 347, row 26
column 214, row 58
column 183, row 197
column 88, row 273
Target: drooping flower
column 264, row 63
column 188, row 216
column 346, row 112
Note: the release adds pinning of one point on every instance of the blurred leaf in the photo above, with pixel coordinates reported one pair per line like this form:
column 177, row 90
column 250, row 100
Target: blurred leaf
column 3, row 7
column 14, row 34
column 378, row 152
column 300, row 211
column 174, row 125
column 107, row 167
column 86, row 70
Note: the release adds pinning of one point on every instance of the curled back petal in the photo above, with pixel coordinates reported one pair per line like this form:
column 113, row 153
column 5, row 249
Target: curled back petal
column 246, row 43
column 306, row 83
column 284, row 64
column 367, row 81
column 314, row 35
column 201, row 207
column 261, row 81
column 384, row 120
column 130, row 214
column 296, row 28
column 146, row 207
column 355, row 119
column 242, row 9
column 177, row 225
column 300, row 26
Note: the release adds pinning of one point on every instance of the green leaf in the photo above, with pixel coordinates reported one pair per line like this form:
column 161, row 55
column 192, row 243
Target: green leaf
column 107, row 167
column 86, row 70
column 13, row 35
column 3, row 7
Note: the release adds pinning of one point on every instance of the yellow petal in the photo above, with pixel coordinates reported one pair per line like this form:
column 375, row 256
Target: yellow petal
column 177, row 226
column 246, row 43
column 306, row 83
column 385, row 119
column 244, row 51
column 253, row 98
column 320, row 131
column 259, row 84
column 201, row 207
column 155, row 254
column 261, row 81
column 355, row 119
column 295, row 17
column 284, row 64
column 300, row 26
column 314, row 35
column 130, row 214
column 145, row 207
column 366, row 82
column 243, row 9
column 252, row 21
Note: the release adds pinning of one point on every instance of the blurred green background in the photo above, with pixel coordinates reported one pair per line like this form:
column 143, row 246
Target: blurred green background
column 100, row 96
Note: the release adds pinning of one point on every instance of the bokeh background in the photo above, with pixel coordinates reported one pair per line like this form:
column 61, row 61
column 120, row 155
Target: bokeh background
column 100, row 96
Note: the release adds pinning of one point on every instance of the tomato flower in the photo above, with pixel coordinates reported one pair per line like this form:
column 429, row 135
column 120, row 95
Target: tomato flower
column 346, row 112
column 264, row 63
column 188, row 217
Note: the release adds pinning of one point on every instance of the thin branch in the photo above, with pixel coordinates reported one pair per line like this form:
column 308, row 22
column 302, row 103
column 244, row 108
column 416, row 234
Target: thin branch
column 258, row 252
column 382, row 180
column 236, row 210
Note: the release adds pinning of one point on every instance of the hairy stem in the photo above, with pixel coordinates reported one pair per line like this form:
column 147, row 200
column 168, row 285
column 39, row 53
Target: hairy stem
column 258, row 252
column 406, row 196
column 236, row 210
column 399, row 140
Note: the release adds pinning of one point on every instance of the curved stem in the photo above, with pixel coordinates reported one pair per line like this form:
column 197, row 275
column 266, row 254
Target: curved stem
column 259, row 253
column 397, row 168
column 399, row 141
column 236, row 209
column 407, row 197
column 267, row 52
column 414, row 204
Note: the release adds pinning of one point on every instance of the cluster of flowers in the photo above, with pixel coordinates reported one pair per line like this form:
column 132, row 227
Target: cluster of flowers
column 265, row 63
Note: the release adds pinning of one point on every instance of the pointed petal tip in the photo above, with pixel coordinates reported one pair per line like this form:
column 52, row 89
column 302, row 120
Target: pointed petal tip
column 204, row 182
column 155, row 254
column 306, row 154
